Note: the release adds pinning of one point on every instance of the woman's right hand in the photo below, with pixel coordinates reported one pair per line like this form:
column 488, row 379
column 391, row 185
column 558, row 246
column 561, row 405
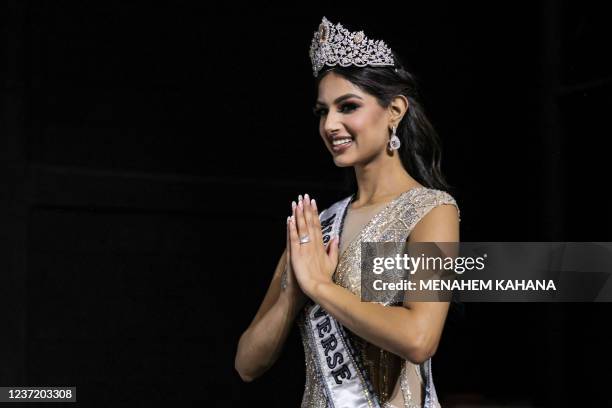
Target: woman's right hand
column 289, row 284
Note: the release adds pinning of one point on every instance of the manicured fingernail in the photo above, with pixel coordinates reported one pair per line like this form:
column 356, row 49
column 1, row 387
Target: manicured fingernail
column 288, row 219
column 313, row 203
column 300, row 197
column 300, row 205
column 293, row 205
column 306, row 197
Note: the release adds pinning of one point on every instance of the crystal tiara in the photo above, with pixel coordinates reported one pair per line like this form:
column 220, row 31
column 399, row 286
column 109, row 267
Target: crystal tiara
column 335, row 45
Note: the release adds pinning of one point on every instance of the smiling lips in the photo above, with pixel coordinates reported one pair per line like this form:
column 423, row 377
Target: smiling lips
column 341, row 143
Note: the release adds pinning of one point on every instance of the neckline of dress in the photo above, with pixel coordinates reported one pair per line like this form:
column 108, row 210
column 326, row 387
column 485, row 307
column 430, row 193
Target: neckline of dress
column 374, row 218
column 366, row 208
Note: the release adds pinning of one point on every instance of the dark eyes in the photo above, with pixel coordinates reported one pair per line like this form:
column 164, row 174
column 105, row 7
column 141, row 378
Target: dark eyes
column 345, row 108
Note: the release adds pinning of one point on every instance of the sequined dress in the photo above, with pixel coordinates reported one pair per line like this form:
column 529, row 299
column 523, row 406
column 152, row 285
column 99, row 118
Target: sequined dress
column 392, row 377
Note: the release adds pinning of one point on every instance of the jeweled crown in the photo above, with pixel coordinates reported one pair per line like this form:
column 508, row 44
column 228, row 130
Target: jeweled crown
column 335, row 45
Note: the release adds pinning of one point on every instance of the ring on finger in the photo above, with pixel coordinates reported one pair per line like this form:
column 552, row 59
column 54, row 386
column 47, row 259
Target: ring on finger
column 304, row 239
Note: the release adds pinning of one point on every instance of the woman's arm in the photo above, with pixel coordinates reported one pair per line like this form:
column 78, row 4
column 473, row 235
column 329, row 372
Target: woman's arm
column 262, row 342
column 411, row 331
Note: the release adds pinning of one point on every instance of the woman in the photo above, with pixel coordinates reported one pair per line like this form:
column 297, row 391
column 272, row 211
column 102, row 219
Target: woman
column 359, row 353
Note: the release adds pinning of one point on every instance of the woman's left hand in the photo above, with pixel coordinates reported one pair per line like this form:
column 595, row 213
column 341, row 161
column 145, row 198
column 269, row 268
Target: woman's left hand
column 313, row 263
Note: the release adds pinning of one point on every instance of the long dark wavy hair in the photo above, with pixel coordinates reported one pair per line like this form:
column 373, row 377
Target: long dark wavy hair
column 420, row 151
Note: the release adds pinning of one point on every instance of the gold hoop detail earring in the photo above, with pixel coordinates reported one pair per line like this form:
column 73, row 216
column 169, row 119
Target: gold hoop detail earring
column 394, row 142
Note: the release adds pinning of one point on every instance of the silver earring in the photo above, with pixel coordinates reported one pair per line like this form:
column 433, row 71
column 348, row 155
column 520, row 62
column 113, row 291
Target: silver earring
column 394, row 142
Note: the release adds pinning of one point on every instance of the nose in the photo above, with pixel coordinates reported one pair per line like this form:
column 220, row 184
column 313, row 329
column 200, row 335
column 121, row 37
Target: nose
column 331, row 124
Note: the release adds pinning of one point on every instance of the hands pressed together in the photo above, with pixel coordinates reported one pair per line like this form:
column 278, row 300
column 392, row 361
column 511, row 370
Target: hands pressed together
column 310, row 261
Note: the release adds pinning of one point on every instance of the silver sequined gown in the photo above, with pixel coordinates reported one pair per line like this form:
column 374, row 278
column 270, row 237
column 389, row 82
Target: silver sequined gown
column 391, row 224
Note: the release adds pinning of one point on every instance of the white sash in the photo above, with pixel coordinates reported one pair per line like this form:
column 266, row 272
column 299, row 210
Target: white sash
column 346, row 382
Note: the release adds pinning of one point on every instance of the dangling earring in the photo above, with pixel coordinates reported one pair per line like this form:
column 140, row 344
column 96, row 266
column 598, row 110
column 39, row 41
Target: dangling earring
column 394, row 142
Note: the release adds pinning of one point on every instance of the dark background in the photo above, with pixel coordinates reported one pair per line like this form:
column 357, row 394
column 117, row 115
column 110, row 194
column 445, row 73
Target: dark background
column 149, row 154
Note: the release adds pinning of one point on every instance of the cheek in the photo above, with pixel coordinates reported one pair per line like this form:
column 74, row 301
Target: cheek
column 366, row 128
column 358, row 123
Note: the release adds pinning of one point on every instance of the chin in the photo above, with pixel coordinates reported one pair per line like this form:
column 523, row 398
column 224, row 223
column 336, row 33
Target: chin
column 341, row 161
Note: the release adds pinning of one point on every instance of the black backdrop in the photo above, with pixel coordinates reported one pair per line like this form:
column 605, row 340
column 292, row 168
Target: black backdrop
column 149, row 153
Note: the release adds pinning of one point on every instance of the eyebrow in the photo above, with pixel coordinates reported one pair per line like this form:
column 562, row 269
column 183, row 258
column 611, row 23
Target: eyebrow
column 340, row 98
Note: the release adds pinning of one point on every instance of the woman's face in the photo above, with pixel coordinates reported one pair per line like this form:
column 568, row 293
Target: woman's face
column 354, row 127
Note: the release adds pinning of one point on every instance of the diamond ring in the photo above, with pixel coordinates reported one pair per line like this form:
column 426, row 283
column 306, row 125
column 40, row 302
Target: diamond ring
column 304, row 239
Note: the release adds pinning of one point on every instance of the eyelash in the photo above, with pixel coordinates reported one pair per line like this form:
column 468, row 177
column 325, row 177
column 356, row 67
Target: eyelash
column 319, row 111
